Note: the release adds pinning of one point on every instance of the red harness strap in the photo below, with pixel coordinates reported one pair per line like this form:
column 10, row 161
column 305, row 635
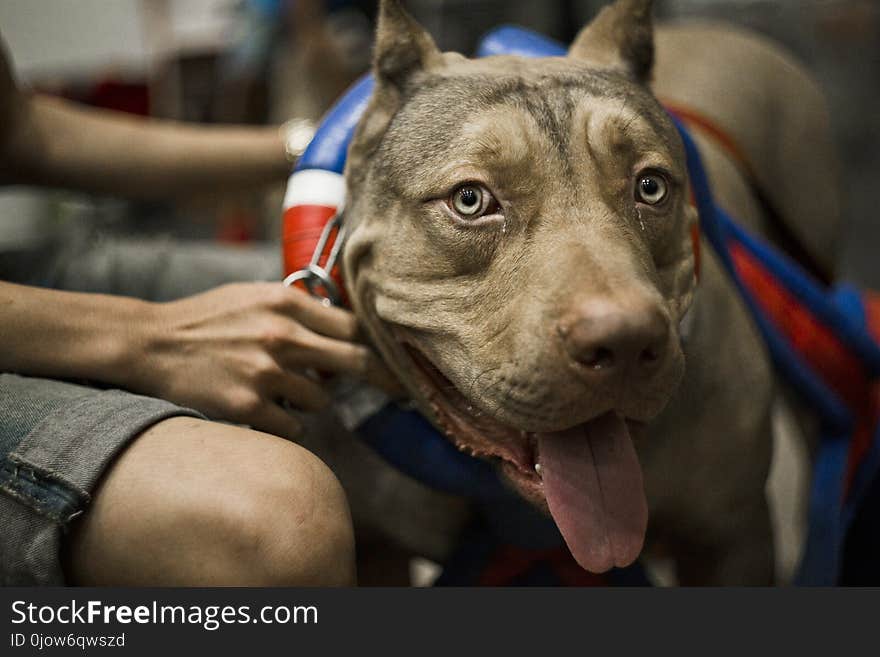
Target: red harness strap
column 313, row 199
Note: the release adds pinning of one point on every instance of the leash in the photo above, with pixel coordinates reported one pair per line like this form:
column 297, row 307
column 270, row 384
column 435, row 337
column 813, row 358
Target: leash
column 819, row 340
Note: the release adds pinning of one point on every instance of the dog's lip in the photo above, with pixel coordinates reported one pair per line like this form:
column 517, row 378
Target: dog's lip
column 469, row 430
column 515, row 451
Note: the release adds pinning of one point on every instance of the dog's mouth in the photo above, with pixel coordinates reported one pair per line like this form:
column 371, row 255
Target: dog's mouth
column 587, row 476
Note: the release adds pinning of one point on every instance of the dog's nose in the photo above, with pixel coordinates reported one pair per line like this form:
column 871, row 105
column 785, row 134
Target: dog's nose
column 607, row 336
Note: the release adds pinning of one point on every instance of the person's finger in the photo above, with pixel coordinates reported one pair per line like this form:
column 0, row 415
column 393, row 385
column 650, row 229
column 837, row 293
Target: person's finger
column 321, row 338
column 330, row 321
column 301, row 392
column 307, row 349
column 311, row 350
column 273, row 419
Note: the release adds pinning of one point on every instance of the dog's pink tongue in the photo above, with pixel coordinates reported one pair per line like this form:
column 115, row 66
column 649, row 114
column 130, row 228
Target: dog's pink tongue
column 593, row 484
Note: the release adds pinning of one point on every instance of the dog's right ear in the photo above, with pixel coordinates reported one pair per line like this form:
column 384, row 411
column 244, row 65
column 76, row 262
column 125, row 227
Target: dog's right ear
column 621, row 37
column 403, row 48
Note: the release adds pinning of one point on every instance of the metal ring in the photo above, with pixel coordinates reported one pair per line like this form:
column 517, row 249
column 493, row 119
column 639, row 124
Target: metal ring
column 311, row 276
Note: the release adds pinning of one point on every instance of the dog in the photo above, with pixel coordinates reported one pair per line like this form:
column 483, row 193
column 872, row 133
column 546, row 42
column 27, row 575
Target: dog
column 520, row 252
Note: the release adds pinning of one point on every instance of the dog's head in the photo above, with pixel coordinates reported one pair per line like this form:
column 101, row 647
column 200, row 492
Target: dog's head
column 521, row 256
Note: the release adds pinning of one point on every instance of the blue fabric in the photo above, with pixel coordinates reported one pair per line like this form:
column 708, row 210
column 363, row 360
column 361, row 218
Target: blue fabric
column 409, row 442
column 513, row 40
column 863, row 478
column 848, row 299
column 820, row 563
column 329, row 146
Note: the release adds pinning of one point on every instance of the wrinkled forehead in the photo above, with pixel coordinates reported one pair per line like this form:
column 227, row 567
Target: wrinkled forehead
column 504, row 103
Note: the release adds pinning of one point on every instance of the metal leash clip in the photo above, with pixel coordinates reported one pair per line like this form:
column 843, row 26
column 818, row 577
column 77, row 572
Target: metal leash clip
column 317, row 279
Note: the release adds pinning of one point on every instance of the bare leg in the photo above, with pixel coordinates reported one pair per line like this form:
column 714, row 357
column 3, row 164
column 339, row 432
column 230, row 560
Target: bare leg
column 191, row 502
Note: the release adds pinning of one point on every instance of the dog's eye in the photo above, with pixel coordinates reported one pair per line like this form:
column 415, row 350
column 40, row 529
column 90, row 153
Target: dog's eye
column 651, row 188
column 471, row 201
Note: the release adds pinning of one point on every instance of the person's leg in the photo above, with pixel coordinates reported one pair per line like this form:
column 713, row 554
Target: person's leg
column 192, row 502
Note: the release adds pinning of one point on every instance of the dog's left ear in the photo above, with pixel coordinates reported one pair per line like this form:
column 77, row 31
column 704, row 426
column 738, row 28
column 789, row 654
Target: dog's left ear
column 621, row 37
column 403, row 47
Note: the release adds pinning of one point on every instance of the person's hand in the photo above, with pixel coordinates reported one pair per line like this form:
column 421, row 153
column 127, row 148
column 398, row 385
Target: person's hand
column 240, row 351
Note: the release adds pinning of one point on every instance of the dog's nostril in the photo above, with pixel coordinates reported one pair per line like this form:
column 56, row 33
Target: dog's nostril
column 600, row 358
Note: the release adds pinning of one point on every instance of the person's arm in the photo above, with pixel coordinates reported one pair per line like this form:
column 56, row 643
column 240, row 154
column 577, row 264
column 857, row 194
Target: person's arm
column 50, row 141
column 233, row 353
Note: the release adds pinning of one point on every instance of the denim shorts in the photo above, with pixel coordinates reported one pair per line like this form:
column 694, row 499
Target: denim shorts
column 56, row 440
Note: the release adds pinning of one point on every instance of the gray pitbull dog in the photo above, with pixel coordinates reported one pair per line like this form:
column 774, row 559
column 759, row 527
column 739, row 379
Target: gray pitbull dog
column 520, row 254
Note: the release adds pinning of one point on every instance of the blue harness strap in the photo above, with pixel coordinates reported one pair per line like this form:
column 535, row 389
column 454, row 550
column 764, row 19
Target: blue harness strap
column 840, row 481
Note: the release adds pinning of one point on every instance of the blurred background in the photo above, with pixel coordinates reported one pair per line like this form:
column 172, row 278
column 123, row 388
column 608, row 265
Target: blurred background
column 268, row 61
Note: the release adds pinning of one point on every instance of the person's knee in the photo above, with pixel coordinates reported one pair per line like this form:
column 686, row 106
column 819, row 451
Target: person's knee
column 297, row 527
column 191, row 502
